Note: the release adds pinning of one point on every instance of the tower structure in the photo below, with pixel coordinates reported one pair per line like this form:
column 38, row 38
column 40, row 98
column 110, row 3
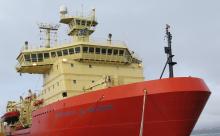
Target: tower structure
column 82, row 65
column 80, row 28
column 48, row 29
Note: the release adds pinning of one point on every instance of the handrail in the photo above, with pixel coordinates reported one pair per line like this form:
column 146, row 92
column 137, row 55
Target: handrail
column 92, row 41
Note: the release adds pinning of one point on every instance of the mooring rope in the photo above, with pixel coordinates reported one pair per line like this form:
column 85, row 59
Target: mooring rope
column 142, row 116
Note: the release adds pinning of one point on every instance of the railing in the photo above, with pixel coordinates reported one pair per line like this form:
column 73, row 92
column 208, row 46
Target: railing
column 106, row 42
column 64, row 43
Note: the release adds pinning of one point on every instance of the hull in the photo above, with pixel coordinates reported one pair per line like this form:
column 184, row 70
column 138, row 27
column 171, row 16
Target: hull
column 171, row 108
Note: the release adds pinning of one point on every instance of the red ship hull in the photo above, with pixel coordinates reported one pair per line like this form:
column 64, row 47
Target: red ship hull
column 172, row 107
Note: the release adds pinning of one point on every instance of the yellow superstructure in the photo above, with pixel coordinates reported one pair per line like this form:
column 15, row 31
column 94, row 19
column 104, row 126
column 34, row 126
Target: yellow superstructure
column 79, row 67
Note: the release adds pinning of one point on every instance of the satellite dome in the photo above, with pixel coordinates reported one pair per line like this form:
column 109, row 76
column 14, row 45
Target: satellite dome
column 63, row 10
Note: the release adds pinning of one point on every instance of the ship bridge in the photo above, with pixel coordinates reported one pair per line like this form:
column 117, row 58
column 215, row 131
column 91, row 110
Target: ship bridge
column 83, row 49
column 40, row 61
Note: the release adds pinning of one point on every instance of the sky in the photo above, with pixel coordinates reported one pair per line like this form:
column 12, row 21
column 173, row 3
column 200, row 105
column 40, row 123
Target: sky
column 195, row 25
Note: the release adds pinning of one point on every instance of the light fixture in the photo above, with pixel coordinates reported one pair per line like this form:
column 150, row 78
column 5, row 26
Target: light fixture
column 64, row 60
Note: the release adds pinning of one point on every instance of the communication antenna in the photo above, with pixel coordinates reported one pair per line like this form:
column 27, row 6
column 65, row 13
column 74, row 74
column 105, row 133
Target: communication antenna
column 63, row 10
column 168, row 51
column 48, row 29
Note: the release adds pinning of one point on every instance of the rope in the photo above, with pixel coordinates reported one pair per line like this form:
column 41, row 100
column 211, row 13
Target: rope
column 142, row 116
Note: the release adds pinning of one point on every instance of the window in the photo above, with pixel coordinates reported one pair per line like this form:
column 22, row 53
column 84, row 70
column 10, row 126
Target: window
column 77, row 50
column 83, row 22
column 46, row 55
column 91, row 50
column 121, row 52
column 59, row 53
column 93, row 81
column 34, row 57
column 65, row 52
column 74, row 81
column 115, row 52
column 64, row 94
column 40, row 57
column 78, row 22
column 71, row 51
column 72, row 65
column 53, row 54
column 27, row 57
column 103, row 51
column 90, row 66
column 97, row 50
column 85, row 49
column 109, row 51
column 88, row 23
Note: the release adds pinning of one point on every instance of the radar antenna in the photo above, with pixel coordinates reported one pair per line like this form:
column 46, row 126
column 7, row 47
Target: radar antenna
column 168, row 51
column 48, row 29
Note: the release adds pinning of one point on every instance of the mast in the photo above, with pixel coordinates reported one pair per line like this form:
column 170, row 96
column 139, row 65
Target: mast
column 48, row 28
column 168, row 51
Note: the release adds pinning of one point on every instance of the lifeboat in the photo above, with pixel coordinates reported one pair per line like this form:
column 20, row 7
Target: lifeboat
column 38, row 102
column 11, row 117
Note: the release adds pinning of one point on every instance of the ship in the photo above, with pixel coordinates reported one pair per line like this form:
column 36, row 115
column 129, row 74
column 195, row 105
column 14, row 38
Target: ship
column 97, row 88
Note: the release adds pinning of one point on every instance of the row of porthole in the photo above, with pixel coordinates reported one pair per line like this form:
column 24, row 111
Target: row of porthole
column 53, row 86
column 43, row 113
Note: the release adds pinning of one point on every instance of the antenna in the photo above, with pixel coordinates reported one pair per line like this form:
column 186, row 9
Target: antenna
column 48, row 29
column 109, row 38
column 168, row 51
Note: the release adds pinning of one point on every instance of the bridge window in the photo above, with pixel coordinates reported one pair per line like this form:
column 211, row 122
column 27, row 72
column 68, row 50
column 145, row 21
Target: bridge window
column 91, row 50
column 88, row 23
column 34, row 57
column 53, row 54
column 27, row 57
column 85, row 49
column 77, row 50
column 40, row 57
column 78, row 22
column 65, row 52
column 97, row 50
column 46, row 55
column 109, row 51
column 59, row 53
column 115, row 52
column 103, row 51
column 71, row 51
column 121, row 52
column 83, row 22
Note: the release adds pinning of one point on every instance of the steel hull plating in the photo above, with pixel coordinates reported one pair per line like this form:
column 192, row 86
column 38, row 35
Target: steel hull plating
column 172, row 108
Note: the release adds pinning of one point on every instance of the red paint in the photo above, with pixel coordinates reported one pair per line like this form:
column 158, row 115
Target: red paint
column 173, row 106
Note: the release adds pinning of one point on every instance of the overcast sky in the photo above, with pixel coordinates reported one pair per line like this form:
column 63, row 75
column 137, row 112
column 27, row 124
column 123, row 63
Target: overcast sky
column 195, row 25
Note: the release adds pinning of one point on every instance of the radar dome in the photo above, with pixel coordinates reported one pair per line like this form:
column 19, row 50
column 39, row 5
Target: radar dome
column 63, row 10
